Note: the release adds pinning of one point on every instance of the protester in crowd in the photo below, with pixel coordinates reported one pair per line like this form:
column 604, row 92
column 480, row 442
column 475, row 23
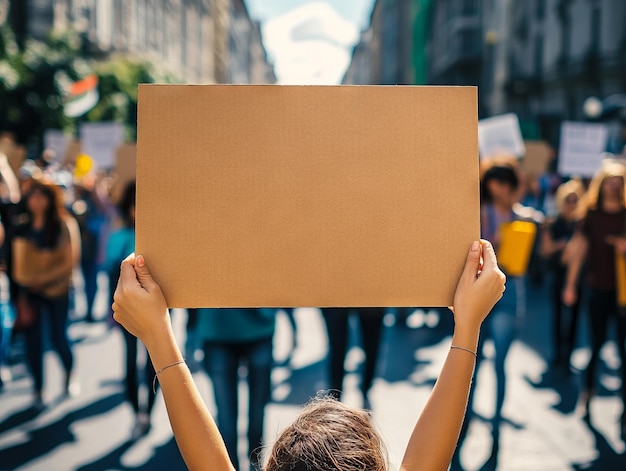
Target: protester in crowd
column 45, row 251
column 9, row 198
column 600, row 236
column 327, row 436
column 88, row 209
column 121, row 243
column 499, row 187
column 337, row 323
column 555, row 238
column 233, row 338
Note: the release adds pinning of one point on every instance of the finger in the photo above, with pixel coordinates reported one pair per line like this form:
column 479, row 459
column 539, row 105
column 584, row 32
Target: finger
column 128, row 277
column 472, row 263
column 489, row 255
column 143, row 274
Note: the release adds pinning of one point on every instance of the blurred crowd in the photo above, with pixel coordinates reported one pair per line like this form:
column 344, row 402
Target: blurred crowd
column 56, row 225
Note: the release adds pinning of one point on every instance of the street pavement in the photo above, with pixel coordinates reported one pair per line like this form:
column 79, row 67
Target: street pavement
column 542, row 430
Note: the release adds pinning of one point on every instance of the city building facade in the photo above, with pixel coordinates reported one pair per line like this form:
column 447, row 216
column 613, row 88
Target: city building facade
column 197, row 41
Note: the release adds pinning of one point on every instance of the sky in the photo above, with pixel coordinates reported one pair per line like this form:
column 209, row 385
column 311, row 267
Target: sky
column 310, row 41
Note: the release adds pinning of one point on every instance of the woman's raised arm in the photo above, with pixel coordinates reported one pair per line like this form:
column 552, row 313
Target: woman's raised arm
column 437, row 430
column 140, row 307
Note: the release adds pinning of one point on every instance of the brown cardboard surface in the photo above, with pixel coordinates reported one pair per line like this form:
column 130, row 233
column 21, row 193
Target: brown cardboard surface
column 306, row 196
column 537, row 158
column 125, row 169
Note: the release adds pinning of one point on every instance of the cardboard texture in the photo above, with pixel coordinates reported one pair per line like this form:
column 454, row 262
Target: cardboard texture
column 537, row 158
column 306, row 196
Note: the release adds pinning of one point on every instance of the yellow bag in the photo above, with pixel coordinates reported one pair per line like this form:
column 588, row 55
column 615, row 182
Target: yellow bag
column 516, row 245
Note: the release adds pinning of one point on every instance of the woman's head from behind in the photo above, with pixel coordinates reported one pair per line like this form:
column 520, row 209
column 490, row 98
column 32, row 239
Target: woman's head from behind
column 329, row 436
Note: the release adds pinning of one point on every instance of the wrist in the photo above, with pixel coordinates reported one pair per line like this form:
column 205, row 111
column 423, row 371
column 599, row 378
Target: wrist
column 466, row 337
column 162, row 348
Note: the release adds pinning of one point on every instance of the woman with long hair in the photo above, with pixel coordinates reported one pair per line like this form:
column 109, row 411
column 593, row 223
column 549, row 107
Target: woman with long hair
column 600, row 236
column 45, row 251
column 554, row 239
column 327, row 436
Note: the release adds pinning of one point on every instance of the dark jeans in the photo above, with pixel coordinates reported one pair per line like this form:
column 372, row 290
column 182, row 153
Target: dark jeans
column 131, row 381
column 564, row 333
column 90, row 275
column 602, row 306
column 222, row 362
column 371, row 320
column 55, row 309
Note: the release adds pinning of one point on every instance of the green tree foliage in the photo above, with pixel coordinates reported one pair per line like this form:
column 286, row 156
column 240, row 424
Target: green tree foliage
column 34, row 82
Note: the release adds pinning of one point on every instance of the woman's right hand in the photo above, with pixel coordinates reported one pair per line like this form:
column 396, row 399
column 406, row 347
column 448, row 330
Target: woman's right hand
column 139, row 305
column 481, row 286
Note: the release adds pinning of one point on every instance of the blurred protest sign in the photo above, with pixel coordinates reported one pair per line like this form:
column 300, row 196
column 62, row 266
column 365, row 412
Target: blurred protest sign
column 16, row 155
column 100, row 141
column 581, row 148
column 500, row 135
column 72, row 152
column 82, row 96
column 307, row 196
column 125, row 169
column 537, row 158
column 57, row 141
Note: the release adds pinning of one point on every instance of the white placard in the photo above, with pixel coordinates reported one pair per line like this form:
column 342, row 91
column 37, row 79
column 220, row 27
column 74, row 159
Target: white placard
column 55, row 140
column 582, row 145
column 500, row 135
column 100, row 141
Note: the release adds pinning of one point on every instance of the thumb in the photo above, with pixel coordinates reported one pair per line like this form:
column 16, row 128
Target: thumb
column 473, row 261
column 143, row 274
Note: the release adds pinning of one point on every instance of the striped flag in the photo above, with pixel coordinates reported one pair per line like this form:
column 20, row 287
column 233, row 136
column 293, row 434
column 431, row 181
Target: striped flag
column 83, row 96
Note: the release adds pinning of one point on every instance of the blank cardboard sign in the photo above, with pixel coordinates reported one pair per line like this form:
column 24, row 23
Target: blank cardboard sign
column 306, row 196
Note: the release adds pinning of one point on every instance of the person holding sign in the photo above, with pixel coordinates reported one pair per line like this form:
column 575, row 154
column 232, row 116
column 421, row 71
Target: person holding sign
column 327, row 435
column 598, row 241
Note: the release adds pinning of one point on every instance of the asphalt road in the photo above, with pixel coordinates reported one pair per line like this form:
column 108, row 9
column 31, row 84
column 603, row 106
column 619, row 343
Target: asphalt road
column 542, row 430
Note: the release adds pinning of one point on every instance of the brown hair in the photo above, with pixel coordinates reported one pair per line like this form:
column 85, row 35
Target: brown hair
column 55, row 214
column 502, row 168
column 329, row 436
column 610, row 168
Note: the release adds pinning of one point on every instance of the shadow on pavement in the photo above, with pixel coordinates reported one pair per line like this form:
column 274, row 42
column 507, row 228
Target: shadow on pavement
column 20, row 417
column 45, row 439
column 165, row 456
column 607, row 458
